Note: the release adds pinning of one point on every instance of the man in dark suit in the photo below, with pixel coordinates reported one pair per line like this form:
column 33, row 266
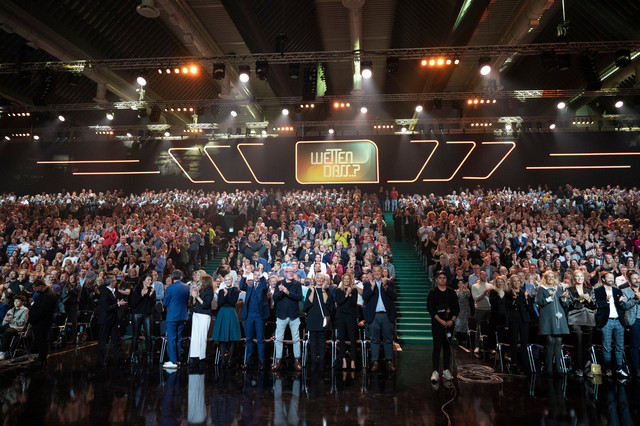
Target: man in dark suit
column 610, row 319
column 380, row 313
column 175, row 300
column 108, row 305
column 255, row 311
column 41, row 317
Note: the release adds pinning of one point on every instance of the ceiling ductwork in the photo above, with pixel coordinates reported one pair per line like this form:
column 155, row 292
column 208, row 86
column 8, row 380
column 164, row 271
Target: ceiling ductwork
column 148, row 9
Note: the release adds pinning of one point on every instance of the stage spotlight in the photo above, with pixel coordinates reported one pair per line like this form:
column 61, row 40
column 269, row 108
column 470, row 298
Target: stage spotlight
column 552, row 126
column 485, row 65
column 36, row 137
column 7, row 138
column 403, row 130
column 193, row 69
column 61, row 117
column 167, row 134
column 233, row 113
column 262, row 69
column 218, row 71
column 294, row 71
column 619, row 104
column 110, row 115
column 623, row 58
column 129, row 134
column 561, row 105
column 363, row 109
column 419, row 108
column 244, row 73
column 366, row 69
column 285, row 111
column 392, row 64
column 508, row 127
column 331, row 131
column 264, row 132
column 141, row 81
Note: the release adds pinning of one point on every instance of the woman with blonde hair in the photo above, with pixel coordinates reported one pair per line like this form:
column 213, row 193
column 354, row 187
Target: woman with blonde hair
column 202, row 298
column 347, row 319
column 518, row 319
column 581, row 319
column 553, row 321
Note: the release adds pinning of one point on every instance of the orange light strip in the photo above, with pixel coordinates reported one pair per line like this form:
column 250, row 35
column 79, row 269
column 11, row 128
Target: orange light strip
column 216, row 166
column 575, row 167
column 473, row 146
column 250, row 169
column 152, row 172
column 590, row 154
column 182, row 168
column 513, row 145
column 87, row 161
column 423, row 166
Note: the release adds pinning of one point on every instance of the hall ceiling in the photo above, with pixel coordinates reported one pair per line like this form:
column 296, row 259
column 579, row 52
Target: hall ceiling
column 63, row 30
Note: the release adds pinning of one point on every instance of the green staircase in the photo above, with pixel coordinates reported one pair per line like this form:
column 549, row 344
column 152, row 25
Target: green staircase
column 412, row 285
column 212, row 265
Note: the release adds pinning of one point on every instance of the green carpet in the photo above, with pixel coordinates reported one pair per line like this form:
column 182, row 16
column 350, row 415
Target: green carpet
column 412, row 284
column 212, row 265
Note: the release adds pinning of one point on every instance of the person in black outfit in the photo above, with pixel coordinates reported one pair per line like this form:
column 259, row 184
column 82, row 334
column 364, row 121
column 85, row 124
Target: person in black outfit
column 317, row 306
column 498, row 319
column 143, row 300
column 518, row 319
column 70, row 298
column 108, row 320
column 442, row 304
column 347, row 319
column 40, row 317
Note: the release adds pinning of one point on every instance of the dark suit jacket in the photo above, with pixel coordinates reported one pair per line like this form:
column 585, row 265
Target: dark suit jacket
column 316, row 308
column 43, row 308
column 371, row 301
column 107, row 306
column 288, row 305
column 256, row 294
column 602, row 313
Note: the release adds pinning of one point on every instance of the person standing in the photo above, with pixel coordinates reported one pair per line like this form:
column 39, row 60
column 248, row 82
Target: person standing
column 518, row 320
column 443, row 307
column 317, row 305
column 553, row 321
column 254, row 312
column 226, row 328
column 287, row 297
column 632, row 316
column 380, row 313
column 581, row 319
column 201, row 319
column 175, row 300
column 610, row 320
column 347, row 319
column 480, row 292
column 143, row 300
column 40, row 317
column 108, row 305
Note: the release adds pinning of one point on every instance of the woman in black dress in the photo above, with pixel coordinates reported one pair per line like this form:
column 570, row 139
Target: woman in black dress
column 317, row 305
column 347, row 319
column 143, row 301
column 518, row 319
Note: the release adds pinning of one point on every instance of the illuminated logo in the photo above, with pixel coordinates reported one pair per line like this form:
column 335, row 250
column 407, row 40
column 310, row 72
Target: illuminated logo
column 336, row 162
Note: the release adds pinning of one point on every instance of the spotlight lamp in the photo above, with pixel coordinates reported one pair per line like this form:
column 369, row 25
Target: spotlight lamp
column 552, row 126
column 36, row 137
column 234, row 113
column 243, row 73
column 619, row 103
column 366, row 69
column 562, row 105
column 218, row 71
column 331, row 131
column 141, row 81
column 363, row 109
column 485, row 65
column 110, row 115
column 419, row 108
column 392, row 64
column 61, row 117
column 285, row 111
column 262, row 68
column 167, row 134
column 508, row 127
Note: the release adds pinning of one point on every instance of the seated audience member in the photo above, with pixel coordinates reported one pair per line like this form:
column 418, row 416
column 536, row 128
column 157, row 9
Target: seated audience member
column 13, row 323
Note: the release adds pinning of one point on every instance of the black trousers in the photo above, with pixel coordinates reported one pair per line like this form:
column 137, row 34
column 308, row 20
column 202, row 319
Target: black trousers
column 347, row 327
column 140, row 320
column 72, row 317
column 106, row 331
column 7, row 335
column 519, row 329
column 317, row 349
column 582, row 336
column 440, row 343
column 41, row 340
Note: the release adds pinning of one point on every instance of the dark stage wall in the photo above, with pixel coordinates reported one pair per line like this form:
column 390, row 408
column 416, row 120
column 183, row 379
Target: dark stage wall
column 447, row 163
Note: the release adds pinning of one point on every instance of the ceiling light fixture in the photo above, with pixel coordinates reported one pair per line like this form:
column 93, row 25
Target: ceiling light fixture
column 363, row 109
column 619, row 104
column 285, row 111
column 141, row 81
column 485, row 65
column 561, row 105
column 419, row 108
column 61, row 117
column 262, row 68
column 110, row 115
column 234, row 113
column 244, row 73
column 36, row 137
column 366, row 69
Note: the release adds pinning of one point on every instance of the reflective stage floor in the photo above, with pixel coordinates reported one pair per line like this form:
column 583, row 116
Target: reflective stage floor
column 71, row 391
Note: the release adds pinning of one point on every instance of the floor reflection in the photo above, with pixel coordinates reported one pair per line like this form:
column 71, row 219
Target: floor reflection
column 70, row 392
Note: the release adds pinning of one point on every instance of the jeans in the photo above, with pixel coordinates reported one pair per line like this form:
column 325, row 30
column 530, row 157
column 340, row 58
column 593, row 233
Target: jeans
column 294, row 326
column 394, row 205
column 174, row 339
column 613, row 329
column 635, row 346
column 381, row 329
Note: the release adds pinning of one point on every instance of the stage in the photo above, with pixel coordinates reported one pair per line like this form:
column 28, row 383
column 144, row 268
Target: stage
column 71, row 390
